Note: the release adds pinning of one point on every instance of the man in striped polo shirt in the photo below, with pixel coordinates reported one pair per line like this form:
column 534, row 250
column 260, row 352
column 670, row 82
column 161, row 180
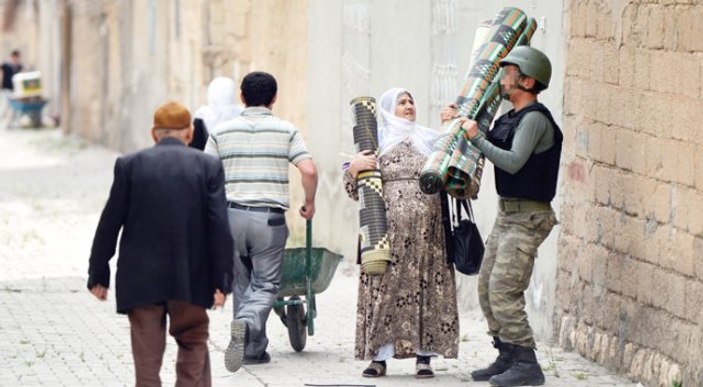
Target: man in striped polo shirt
column 255, row 149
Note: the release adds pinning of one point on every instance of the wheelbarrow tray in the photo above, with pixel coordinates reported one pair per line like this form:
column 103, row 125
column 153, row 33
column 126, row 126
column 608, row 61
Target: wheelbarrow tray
column 323, row 264
column 26, row 106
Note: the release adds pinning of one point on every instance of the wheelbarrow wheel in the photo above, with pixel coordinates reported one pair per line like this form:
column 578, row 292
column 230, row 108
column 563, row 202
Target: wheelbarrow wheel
column 297, row 328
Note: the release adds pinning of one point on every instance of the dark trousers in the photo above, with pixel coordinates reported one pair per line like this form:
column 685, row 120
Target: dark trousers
column 188, row 324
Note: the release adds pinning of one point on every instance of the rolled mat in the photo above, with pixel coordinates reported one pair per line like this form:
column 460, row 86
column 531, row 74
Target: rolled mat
column 455, row 164
column 373, row 230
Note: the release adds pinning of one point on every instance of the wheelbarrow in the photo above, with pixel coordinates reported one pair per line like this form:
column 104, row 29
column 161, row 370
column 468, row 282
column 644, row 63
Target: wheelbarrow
column 306, row 271
column 30, row 106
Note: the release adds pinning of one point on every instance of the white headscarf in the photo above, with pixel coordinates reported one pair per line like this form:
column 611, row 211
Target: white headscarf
column 396, row 129
column 221, row 105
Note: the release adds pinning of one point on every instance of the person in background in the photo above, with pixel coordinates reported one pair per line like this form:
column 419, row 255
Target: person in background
column 256, row 149
column 221, row 106
column 9, row 69
column 411, row 310
column 175, row 255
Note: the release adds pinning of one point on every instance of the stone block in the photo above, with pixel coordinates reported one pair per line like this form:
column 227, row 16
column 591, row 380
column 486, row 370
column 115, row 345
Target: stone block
column 680, row 207
column 698, row 257
column 666, row 237
column 633, row 186
column 652, row 246
column 605, row 28
column 615, row 277
column 690, row 29
column 611, row 69
column 684, row 253
column 644, row 272
column 675, row 73
column 669, row 292
column 602, row 177
column 626, row 65
column 577, row 19
column 579, row 57
column 686, row 120
column 631, row 28
column 672, row 28
column 623, row 108
column 616, row 189
column 670, row 160
column 584, row 268
column 608, row 146
column 654, row 154
column 642, row 69
column 628, row 355
column 631, row 237
column 592, row 12
column 686, row 153
column 694, row 299
column 697, row 165
column 655, row 27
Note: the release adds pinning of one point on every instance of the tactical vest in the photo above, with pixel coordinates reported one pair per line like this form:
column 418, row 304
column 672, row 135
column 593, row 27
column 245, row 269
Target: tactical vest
column 537, row 179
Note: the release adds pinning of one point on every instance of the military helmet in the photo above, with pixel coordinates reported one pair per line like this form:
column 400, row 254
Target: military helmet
column 531, row 62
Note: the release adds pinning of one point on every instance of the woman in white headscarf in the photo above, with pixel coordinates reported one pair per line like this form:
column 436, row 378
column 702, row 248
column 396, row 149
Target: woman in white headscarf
column 221, row 106
column 411, row 310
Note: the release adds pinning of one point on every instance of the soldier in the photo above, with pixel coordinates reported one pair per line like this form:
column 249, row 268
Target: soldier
column 525, row 147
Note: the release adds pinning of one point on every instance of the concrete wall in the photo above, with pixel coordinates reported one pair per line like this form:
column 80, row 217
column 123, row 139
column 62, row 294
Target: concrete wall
column 363, row 47
column 630, row 278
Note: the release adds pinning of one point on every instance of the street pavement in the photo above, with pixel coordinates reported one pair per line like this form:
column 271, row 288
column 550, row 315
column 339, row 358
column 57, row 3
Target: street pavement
column 54, row 333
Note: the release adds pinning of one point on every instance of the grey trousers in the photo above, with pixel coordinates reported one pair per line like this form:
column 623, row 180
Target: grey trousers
column 259, row 241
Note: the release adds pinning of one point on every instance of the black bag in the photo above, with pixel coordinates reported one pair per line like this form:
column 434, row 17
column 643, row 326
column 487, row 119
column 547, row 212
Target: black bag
column 464, row 244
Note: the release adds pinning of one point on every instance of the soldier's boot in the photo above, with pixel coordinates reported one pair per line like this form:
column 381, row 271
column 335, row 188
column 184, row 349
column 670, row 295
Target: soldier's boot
column 502, row 363
column 525, row 371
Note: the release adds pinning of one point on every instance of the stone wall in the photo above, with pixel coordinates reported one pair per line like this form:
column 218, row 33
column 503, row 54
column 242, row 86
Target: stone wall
column 630, row 278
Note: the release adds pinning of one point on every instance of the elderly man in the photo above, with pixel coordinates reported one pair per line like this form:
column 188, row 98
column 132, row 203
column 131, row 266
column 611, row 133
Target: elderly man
column 175, row 251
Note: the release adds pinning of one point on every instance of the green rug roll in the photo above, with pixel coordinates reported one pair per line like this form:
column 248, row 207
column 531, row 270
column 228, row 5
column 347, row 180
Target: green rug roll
column 455, row 164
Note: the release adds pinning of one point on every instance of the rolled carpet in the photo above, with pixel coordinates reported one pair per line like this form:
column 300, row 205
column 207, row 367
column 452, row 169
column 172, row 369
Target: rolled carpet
column 375, row 248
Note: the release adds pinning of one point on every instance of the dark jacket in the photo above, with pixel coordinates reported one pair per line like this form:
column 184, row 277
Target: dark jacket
column 169, row 201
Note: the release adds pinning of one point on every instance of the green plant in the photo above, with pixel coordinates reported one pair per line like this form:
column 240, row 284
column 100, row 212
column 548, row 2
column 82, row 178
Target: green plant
column 676, row 383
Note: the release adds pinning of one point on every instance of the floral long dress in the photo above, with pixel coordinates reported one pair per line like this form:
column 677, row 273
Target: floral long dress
column 413, row 305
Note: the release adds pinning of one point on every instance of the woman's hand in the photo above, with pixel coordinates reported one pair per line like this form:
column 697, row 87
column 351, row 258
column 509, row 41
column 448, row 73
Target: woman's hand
column 448, row 112
column 363, row 161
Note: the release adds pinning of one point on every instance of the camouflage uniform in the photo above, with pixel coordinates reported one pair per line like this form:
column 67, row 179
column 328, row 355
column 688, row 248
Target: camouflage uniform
column 511, row 250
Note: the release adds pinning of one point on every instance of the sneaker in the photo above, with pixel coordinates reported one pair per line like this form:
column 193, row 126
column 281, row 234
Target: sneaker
column 261, row 359
column 234, row 354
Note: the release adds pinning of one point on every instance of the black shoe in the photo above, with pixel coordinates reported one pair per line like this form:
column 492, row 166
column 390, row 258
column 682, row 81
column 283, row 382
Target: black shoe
column 502, row 363
column 525, row 371
column 261, row 359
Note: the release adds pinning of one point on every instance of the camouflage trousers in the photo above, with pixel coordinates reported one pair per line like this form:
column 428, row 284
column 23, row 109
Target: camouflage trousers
column 505, row 274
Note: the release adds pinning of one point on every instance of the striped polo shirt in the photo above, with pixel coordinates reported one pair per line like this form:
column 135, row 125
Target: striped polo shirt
column 255, row 149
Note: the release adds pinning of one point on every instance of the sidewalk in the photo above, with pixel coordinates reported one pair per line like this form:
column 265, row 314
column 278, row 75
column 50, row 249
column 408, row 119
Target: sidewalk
column 54, row 333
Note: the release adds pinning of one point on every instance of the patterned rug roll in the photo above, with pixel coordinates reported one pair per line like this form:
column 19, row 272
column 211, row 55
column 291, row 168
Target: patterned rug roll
column 455, row 164
column 375, row 249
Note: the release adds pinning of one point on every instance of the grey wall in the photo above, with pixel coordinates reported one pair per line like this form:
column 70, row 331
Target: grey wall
column 363, row 47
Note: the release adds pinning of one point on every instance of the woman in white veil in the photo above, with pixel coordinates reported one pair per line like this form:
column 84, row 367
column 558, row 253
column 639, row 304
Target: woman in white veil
column 411, row 310
column 221, row 106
